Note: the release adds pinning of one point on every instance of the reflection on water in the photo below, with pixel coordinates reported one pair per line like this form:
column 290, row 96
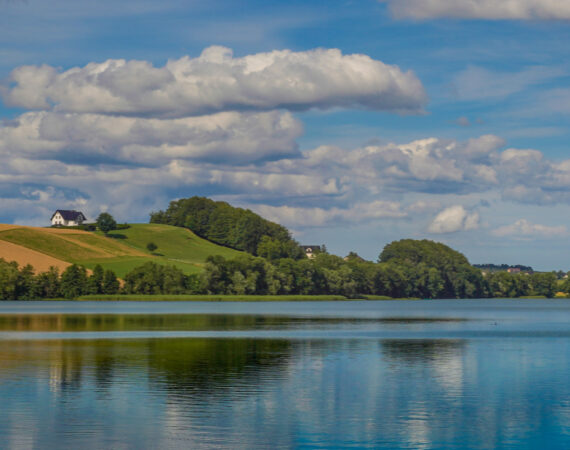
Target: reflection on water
column 256, row 392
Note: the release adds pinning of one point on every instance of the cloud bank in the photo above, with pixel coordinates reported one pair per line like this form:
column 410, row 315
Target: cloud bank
column 480, row 9
column 522, row 228
column 217, row 81
column 228, row 136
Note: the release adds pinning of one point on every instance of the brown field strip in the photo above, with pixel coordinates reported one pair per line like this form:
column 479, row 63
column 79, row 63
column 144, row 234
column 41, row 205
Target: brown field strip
column 23, row 256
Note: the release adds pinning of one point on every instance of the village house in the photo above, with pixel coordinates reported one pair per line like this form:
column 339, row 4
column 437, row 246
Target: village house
column 67, row 218
column 311, row 250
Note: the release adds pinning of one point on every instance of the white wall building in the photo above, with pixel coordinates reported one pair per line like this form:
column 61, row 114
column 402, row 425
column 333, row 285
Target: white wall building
column 66, row 218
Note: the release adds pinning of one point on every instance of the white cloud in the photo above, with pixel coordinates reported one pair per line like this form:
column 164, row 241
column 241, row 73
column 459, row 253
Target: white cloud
column 522, row 228
column 303, row 216
column 228, row 136
column 481, row 9
column 216, row 81
column 136, row 172
column 453, row 219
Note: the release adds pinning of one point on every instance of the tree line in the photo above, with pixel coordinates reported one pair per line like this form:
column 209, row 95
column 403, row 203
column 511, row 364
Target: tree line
column 406, row 268
column 22, row 283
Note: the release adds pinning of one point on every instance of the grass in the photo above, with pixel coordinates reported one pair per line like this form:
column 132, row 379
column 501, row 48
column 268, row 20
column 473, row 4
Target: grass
column 174, row 243
column 214, row 298
column 122, row 250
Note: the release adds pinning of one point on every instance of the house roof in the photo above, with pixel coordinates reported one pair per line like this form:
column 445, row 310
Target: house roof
column 69, row 214
column 311, row 247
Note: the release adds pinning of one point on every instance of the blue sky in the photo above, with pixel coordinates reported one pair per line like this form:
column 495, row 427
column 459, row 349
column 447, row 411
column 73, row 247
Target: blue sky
column 352, row 123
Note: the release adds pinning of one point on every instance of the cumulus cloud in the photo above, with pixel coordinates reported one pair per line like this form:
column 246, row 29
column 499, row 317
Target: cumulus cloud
column 217, row 81
column 303, row 216
column 228, row 136
column 427, row 165
column 453, row 219
column 522, row 228
column 480, row 9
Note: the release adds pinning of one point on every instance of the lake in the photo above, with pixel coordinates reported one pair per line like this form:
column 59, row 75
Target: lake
column 371, row 374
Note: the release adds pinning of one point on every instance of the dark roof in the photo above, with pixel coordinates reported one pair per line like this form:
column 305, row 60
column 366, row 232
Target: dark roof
column 311, row 247
column 69, row 215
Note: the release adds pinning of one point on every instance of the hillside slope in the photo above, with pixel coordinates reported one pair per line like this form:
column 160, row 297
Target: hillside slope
column 121, row 252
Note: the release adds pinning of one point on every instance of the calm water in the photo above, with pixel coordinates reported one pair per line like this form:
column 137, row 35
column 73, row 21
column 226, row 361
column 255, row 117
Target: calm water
column 417, row 374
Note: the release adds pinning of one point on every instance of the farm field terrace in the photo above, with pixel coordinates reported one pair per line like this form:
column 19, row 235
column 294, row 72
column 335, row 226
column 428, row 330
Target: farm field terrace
column 120, row 251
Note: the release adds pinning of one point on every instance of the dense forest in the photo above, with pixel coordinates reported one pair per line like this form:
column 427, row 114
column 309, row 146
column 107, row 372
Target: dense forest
column 406, row 268
column 226, row 225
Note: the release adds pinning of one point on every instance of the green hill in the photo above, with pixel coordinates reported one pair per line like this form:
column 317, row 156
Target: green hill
column 121, row 251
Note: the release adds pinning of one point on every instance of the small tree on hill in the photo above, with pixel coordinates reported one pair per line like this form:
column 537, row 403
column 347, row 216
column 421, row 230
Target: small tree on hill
column 151, row 247
column 106, row 222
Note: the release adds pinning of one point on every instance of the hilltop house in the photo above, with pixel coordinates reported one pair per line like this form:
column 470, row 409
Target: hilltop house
column 310, row 250
column 66, row 218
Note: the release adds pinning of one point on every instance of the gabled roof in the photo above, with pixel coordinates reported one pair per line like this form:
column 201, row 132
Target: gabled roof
column 69, row 215
column 311, row 247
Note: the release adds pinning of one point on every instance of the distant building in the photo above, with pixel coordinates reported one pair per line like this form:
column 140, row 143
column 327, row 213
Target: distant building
column 514, row 270
column 311, row 250
column 66, row 218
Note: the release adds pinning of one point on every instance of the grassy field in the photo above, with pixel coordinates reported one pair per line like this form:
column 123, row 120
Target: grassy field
column 121, row 251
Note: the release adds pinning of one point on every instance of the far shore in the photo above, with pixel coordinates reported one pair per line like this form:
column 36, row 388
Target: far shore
column 254, row 298
column 225, row 298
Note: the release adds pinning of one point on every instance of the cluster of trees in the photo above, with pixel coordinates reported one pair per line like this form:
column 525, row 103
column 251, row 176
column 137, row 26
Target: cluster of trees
column 23, row 284
column 232, row 227
column 406, row 268
column 504, row 284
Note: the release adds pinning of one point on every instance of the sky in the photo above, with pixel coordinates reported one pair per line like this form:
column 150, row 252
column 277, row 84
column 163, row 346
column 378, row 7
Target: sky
column 353, row 123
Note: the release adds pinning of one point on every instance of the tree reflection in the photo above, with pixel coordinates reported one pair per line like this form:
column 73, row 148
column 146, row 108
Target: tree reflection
column 421, row 350
column 206, row 365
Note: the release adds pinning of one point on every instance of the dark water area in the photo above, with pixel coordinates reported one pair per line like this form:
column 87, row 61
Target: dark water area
column 405, row 374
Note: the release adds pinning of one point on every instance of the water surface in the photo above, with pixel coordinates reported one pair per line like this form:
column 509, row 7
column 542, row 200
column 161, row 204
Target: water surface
column 405, row 374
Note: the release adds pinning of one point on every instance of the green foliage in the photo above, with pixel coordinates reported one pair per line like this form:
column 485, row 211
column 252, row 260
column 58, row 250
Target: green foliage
column 106, row 222
column 110, row 283
column 23, row 284
column 433, row 270
column 152, row 278
column 151, row 247
column 8, row 280
column 74, row 282
column 274, row 249
column 95, row 281
column 47, row 284
column 223, row 224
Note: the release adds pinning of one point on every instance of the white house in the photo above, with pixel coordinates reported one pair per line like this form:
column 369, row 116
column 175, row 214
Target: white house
column 66, row 218
column 310, row 250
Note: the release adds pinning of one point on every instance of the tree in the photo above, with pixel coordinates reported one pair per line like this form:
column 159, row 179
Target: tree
column 110, row 283
column 74, row 281
column 106, row 222
column 8, row 280
column 95, row 282
column 151, row 247
column 47, row 284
